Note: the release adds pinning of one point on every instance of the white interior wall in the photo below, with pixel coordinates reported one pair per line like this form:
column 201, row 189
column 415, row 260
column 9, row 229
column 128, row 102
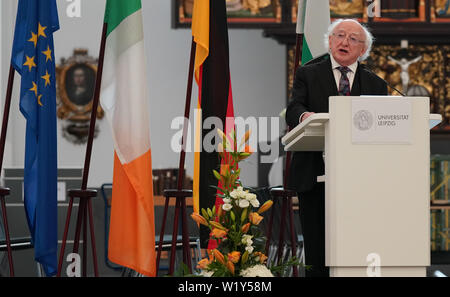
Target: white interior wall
column 6, row 23
column 257, row 74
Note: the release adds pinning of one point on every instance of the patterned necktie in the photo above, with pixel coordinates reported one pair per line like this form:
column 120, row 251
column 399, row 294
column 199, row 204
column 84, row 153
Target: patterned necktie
column 344, row 83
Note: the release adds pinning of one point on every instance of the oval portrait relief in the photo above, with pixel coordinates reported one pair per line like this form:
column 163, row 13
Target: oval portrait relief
column 75, row 88
column 79, row 84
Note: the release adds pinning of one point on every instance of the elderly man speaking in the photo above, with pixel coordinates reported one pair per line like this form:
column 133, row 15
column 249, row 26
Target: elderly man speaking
column 339, row 73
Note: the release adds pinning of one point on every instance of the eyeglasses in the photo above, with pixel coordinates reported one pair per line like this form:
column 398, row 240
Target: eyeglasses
column 340, row 36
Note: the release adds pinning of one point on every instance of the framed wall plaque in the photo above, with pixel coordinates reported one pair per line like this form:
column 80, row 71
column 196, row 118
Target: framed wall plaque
column 240, row 13
column 75, row 86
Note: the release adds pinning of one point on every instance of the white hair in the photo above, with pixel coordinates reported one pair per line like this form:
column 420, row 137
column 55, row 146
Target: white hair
column 368, row 42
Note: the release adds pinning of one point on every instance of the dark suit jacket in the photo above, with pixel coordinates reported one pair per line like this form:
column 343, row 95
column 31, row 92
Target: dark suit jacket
column 313, row 84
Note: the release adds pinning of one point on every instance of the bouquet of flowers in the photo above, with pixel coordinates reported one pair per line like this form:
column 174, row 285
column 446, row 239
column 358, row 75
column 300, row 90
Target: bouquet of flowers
column 234, row 225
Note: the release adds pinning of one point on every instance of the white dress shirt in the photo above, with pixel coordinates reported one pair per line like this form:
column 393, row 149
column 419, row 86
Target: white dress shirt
column 337, row 73
column 337, row 76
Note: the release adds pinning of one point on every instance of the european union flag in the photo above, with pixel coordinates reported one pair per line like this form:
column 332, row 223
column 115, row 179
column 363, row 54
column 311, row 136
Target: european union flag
column 33, row 57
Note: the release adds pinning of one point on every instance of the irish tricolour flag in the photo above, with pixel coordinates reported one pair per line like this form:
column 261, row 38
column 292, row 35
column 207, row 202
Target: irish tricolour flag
column 312, row 21
column 124, row 97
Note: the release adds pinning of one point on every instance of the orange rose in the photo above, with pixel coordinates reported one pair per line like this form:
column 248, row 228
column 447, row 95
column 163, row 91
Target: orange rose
column 210, row 255
column 265, row 206
column 217, row 233
column 248, row 149
column 245, row 228
column 218, row 256
column 199, row 219
column 262, row 257
column 234, row 256
column 230, row 267
column 255, row 218
column 203, row 263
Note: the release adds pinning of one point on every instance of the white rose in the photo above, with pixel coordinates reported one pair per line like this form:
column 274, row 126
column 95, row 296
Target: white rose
column 250, row 196
column 234, row 194
column 240, row 193
column 249, row 249
column 246, row 238
column 254, row 202
column 227, row 206
column 206, row 273
column 226, row 200
column 257, row 270
column 243, row 203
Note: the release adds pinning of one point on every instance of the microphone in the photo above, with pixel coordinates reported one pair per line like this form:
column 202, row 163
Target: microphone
column 387, row 83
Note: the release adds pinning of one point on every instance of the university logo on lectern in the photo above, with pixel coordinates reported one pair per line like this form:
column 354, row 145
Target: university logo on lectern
column 363, row 120
column 381, row 120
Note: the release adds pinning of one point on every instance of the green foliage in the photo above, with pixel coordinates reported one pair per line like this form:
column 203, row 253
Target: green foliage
column 283, row 268
column 183, row 271
column 241, row 243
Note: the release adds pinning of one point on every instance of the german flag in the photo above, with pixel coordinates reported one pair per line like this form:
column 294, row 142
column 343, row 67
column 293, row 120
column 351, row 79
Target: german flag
column 212, row 73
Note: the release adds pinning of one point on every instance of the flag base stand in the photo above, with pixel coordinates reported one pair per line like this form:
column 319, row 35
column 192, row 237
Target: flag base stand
column 85, row 195
column 286, row 206
column 5, row 192
column 84, row 209
column 180, row 206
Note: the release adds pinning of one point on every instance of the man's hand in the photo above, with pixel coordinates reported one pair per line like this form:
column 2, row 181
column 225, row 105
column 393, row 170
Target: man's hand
column 305, row 116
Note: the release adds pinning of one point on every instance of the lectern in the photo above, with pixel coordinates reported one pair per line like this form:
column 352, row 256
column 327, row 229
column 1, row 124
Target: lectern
column 377, row 182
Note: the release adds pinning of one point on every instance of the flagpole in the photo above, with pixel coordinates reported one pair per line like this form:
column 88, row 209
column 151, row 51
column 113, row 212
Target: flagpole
column 286, row 194
column 5, row 191
column 187, row 109
column 180, row 194
column 186, row 115
column 98, row 82
column 296, row 64
column 288, row 162
column 85, row 207
column 6, row 114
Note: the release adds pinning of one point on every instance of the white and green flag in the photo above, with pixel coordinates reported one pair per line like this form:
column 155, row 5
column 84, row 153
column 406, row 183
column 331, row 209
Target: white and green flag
column 312, row 21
